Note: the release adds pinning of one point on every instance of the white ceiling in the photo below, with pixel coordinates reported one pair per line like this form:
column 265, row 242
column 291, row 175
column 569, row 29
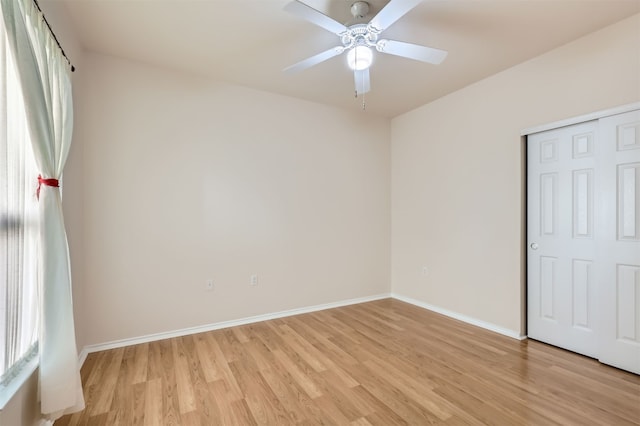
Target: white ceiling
column 249, row 42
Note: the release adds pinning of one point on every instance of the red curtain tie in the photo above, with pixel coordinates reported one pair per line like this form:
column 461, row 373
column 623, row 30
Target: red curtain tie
column 47, row 182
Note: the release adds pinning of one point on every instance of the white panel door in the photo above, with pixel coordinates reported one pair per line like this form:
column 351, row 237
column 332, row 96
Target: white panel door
column 561, row 199
column 618, row 250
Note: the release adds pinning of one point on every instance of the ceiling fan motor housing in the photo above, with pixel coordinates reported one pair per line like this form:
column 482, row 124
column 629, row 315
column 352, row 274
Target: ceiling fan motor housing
column 359, row 35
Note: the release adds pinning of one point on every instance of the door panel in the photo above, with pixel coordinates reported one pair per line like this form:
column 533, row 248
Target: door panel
column 583, row 203
column 561, row 249
column 582, row 293
column 619, row 242
column 628, row 219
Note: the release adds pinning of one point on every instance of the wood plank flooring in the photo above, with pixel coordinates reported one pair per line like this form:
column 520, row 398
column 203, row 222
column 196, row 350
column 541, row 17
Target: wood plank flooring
column 379, row 363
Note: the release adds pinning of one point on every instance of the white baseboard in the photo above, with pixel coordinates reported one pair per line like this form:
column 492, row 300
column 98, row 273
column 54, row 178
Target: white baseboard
column 219, row 325
column 82, row 357
column 460, row 317
column 265, row 317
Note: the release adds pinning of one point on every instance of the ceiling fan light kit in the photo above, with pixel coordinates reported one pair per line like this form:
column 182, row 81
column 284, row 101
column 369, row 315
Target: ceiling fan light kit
column 359, row 39
column 359, row 58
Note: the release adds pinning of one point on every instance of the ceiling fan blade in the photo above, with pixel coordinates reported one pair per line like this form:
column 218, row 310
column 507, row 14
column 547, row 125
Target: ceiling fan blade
column 314, row 60
column 310, row 14
column 393, row 11
column 412, row 51
column 363, row 82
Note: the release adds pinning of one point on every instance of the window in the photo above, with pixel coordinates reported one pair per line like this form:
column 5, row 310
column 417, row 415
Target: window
column 18, row 231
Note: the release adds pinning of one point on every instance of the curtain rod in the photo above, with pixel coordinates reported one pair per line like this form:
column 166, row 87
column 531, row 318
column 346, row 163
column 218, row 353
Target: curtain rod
column 54, row 35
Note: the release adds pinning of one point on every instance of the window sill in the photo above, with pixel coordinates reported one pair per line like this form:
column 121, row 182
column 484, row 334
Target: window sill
column 10, row 389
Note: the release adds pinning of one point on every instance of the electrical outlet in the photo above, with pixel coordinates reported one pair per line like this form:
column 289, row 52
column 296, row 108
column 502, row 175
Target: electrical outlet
column 425, row 271
column 253, row 280
column 209, row 285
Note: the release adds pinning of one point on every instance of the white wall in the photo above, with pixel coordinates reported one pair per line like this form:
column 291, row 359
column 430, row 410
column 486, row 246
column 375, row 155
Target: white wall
column 23, row 409
column 187, row 180
column 458, row 174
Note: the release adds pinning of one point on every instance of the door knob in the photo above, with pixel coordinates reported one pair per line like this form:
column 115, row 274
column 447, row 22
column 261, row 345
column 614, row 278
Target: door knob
column 534, row 246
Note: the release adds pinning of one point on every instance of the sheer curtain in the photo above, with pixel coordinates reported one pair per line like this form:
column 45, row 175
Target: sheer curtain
column 18, row 230
column 46, row 86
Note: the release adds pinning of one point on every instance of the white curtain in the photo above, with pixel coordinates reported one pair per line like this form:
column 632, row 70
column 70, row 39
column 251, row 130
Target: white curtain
column 46, row 86
column 19, row 232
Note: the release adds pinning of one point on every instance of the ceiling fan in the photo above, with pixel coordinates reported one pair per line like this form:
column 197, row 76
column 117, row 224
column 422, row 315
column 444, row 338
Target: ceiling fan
column 358, row 40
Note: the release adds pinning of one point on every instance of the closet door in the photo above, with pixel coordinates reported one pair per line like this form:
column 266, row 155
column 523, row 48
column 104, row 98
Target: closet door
column 618, row 242
column 561, row 199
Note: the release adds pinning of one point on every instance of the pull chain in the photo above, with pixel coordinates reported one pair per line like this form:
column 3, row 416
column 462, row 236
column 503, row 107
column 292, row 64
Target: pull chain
column 363, row 82
column 364, row 106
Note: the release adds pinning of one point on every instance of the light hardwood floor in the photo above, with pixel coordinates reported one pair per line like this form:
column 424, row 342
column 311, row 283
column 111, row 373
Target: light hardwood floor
column 378, row 363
